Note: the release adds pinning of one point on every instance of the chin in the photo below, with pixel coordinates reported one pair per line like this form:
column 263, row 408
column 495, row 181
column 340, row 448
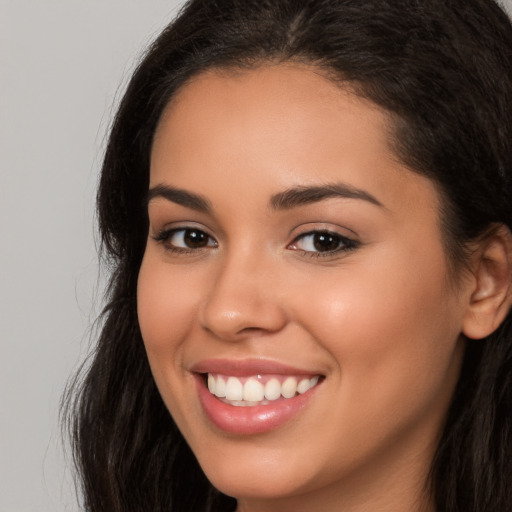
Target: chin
column 256, row 484
column 251, row 470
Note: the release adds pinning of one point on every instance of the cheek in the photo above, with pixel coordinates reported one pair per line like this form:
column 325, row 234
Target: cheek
column 392, row 329
column 165, row 307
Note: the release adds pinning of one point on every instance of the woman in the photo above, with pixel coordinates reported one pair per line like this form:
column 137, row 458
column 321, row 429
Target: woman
column 306, row 208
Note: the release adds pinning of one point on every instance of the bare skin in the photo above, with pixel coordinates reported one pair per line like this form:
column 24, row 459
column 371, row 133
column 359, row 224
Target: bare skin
column 351, row 285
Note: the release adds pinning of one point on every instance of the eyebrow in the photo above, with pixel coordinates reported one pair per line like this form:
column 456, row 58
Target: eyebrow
column 303, row 195
column 288, row 199
column 179, row 196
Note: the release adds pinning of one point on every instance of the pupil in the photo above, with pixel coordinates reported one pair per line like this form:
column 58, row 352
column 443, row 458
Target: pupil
column 324, row 242
column 195, row 238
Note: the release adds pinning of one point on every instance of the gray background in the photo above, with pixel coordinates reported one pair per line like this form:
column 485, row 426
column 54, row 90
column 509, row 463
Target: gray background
column 63, row 65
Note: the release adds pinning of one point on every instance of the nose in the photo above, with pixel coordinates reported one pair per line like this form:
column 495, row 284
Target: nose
column 243, row 300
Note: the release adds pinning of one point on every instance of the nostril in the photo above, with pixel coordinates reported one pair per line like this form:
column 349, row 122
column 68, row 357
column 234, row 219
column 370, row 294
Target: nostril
column 253, row 330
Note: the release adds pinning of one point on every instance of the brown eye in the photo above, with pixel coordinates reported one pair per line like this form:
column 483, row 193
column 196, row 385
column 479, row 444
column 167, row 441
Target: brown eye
column 326, row 242
column 185, row 239
column 323, row 242
column 194, row 238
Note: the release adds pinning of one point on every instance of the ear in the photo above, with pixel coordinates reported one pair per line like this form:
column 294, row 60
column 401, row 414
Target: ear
column 491, row 294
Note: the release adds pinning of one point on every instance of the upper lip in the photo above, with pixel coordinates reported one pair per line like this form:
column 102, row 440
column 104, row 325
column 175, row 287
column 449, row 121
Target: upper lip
column 247, row 367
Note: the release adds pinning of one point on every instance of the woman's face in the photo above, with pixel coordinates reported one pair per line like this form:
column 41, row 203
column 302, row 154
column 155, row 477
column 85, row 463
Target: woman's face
column 293, row 263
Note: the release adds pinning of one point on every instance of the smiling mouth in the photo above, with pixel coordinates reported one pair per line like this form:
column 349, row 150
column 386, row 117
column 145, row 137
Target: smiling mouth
column 258, row 389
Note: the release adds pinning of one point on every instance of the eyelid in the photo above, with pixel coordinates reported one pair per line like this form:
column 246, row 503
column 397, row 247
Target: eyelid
column 162, row 220
column 164, row 235
column 158, row 228
column 324, row 227
column 345, row 243
column 172, row 231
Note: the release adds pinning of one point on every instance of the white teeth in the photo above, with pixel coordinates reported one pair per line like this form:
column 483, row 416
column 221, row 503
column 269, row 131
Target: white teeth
column 272, row 389
column 243, row 403
column 234, row 389
column 253, row 392
column 211, row 383
column 289, row 387
column 303, row 386
column 220, row 387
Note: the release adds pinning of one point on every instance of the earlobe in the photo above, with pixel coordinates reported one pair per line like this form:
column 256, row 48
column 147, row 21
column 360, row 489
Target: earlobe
column 491, row 297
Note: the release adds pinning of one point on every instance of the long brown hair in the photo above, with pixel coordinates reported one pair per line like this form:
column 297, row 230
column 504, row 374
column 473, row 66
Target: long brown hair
column 443, row 70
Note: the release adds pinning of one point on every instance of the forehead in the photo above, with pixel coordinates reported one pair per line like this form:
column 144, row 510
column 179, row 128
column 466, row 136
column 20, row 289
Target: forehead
column 277, row 126
column 298, row 93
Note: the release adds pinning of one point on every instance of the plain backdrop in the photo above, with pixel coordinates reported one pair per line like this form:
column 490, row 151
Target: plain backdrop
column 63, row 66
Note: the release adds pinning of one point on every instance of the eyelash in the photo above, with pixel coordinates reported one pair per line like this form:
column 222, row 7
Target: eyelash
column 343, row 243
column 164, row 237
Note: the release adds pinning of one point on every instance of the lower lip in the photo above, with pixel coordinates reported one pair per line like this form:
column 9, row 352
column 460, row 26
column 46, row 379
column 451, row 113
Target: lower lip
column 252, row 419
